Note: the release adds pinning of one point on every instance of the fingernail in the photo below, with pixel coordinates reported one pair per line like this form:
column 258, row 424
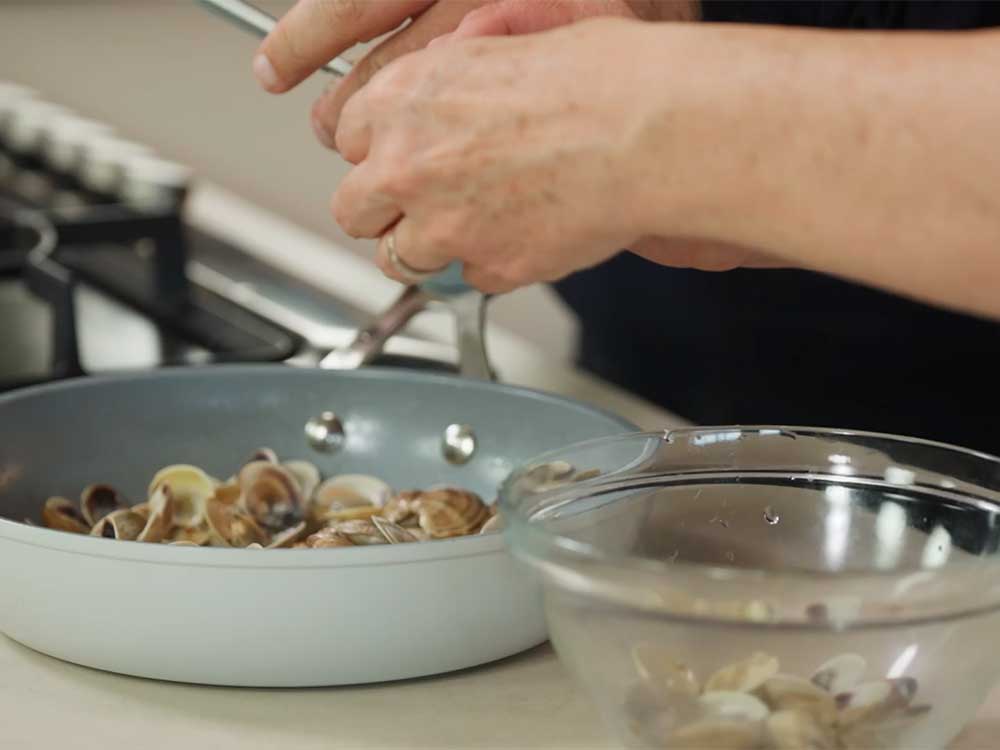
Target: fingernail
column 265, row 73
column 322, row 133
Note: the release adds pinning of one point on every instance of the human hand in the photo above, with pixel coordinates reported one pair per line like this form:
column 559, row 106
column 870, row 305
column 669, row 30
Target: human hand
column 315, row 31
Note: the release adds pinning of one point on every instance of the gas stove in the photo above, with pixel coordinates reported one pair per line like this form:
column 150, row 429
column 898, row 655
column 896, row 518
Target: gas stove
column 100, row 272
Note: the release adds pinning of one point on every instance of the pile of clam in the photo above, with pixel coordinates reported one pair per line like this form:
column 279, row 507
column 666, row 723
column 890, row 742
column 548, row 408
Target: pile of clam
column 269, row 504
column 752, row 705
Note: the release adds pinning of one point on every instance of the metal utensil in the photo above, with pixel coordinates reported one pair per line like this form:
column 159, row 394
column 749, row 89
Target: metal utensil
column 467, row 305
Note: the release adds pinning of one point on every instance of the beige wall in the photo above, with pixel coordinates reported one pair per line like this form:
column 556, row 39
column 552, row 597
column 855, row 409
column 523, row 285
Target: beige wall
column 168, row 74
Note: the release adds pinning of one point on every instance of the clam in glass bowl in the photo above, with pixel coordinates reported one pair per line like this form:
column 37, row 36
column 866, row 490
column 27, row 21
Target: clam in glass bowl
column 768, row 588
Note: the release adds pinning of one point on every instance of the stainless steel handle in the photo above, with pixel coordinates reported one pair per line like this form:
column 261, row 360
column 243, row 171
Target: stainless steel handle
column 256, row 21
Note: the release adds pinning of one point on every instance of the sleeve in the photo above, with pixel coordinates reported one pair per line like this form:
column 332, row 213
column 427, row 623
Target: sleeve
column 915, row 14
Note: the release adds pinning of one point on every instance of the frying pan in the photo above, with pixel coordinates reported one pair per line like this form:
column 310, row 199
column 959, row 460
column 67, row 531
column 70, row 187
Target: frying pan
column 286, row 617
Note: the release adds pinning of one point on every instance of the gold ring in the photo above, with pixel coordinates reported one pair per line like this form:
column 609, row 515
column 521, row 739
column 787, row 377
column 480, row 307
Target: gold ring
column 412, row 275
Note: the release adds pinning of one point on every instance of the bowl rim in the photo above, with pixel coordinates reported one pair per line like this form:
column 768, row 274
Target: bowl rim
column 520, row 533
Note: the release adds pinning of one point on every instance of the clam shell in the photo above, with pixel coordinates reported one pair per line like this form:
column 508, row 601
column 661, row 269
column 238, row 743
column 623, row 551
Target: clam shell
column 351, row 491
column 656, row 665
column 873, row 701
column 788, row 692
column 402, row 508
column 792, row 730
column 450, row 512
column 393, row 533
column 306, row 474
column 98, row 500
column 545, row 476
column 652, row 713
column 191, row 488
column 288, row 537
column 228, row 493
column 493, row 525
column 161, row 515
column 841, row 673
column 744, row 676
column 360, row 532
column 328, row 537
column 196, row 535
column 124, row 525
column 731, row 705
column 63, row 515
column 888, row 733
column 263, row 454
column 182, row 543
column 270, row 494
column 349, row 514
column 716, row 735
column 232, row 525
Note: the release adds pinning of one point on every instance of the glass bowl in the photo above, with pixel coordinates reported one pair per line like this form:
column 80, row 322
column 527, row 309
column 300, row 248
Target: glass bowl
column 764, row 588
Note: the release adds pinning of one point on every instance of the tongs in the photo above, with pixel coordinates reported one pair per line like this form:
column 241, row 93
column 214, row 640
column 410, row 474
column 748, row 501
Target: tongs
column 466, row 304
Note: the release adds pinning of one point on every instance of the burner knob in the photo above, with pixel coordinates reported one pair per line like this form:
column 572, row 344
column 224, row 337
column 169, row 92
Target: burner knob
column 151, row 183
column 25, row 124
column 101, row 165
column 65, row 138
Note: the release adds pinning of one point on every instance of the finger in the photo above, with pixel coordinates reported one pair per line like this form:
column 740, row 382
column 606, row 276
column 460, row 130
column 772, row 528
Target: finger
column 487, row 282
column 440, row 18
column 313, row 32
column 353, row 135
column 509, row 17
column 438, row 41
column 414, row 252
column 360, row 208
column 402, row 232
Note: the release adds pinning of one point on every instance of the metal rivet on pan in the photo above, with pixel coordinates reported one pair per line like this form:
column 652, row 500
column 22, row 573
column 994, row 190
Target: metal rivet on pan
column 325, row 432
column 458, row 443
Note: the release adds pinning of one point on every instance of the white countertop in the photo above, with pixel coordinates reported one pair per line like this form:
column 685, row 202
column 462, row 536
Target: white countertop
column 526, row 701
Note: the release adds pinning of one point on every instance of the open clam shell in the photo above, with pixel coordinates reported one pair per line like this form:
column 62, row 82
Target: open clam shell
column 450, row 512
column 306, row 474
column 328, row 537
column 745, row 675
column 288, row 537
column 63, row 515
column 98, row 500
column 161, row 515
column 190, row 488
column 361, row 533
column 350, row 491
column 271, row 495
column 393, row 533
column 124, row 525
column 232, row 525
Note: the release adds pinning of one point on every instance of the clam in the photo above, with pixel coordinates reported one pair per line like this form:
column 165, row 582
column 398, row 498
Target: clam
column 263, row 454
column 653, row 712
column 328, row 537
column 228, row 492
column 197, row 535
column 288, row 537
column 233, row 525
column 744, row 676
column 270, row 494
column 730, row 705
column 873, row 701
column 548, row 475
column 190, row 488
column 657, row 666
column 125, row 525
column 361, row 532
column 393, row 533
column 361, row 512
column 716, row 735
column 492, row 525
column 98, row 500
column 307, row 476
column 59, row 513
column 788, row 692
column 160, row 515
column 841, row 673
column 792, row 730
column 450, row 512
column 402, row 507
column 350, row 491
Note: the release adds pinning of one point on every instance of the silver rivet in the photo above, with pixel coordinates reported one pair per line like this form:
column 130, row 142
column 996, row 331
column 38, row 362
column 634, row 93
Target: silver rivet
column 325, row 432
column 458, row 444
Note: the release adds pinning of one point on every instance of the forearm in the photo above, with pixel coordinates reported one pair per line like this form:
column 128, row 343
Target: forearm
column 873, row 156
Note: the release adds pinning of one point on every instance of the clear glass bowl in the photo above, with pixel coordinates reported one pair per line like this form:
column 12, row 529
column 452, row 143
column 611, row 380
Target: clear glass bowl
column 759, row 588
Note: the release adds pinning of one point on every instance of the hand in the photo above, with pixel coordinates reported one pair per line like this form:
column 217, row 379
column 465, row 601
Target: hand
column 315, row 31
column 513, row 155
